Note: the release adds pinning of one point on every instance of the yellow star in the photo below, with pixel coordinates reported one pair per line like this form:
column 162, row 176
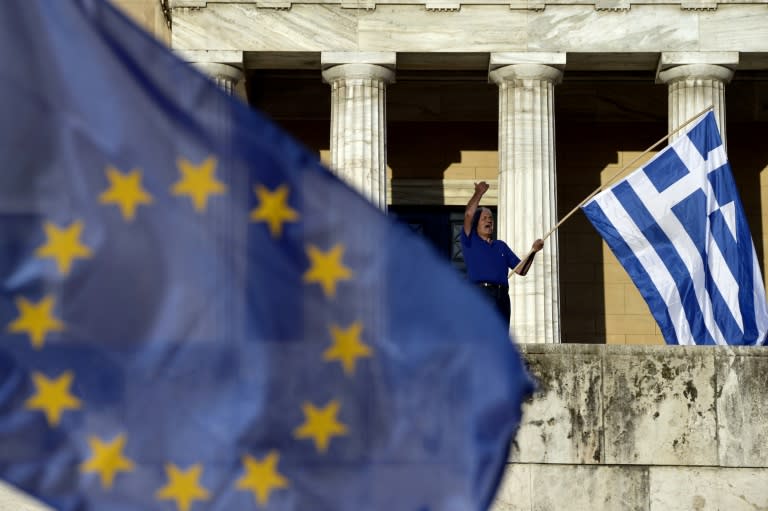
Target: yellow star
column 320, row 424
column 183, row 486
column 53, row 396
column 273, row 209
column 36, row 320
column 126, row 191
column 261, row 477
column 326, row 268
column 107, row 459
column 63, row 245
column 347, row 347
column 198, row 181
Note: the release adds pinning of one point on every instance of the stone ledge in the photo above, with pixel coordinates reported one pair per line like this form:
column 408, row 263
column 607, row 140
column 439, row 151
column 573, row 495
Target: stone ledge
column 645, row 405
column 545, row 487
column 533, row 5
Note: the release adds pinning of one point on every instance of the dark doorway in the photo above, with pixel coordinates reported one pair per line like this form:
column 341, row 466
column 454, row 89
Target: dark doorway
column 440, row 226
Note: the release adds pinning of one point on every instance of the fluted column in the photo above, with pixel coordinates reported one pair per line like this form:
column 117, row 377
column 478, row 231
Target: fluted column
column 527, row 194
column 358, row 126
column 692, row 88
column 226, row 214
column 227, row 77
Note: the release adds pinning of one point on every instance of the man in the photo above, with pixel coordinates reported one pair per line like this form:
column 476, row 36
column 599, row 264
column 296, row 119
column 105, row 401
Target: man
column 488, row 260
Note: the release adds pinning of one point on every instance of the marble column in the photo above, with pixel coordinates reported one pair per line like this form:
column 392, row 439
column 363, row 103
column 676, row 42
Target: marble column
column 528, row 194
column 226, row 76
column 358, row 126
column 226, row 216
column 692, row 88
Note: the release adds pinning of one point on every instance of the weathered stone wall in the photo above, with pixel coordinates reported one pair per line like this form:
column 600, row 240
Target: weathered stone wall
column 402, row 26
column 641, row 427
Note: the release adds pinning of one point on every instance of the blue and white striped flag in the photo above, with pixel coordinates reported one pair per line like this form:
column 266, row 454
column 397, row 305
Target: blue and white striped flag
column 678, row 227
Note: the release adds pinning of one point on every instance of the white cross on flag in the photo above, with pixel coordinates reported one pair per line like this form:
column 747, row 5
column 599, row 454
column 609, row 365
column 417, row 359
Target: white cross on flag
column 678, row 227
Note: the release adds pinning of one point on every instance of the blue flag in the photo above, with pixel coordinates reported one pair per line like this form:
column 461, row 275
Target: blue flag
column 678, row 227
column 197, row 315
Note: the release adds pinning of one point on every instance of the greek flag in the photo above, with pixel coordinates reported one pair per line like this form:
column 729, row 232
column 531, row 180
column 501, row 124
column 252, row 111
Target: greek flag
column 678, row 227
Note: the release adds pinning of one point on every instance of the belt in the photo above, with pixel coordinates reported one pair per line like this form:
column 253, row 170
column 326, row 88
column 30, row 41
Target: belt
column 492, row 285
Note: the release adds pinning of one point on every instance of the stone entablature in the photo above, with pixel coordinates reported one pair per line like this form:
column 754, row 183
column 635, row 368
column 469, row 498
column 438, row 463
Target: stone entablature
column 307, row 28
column 535, row 5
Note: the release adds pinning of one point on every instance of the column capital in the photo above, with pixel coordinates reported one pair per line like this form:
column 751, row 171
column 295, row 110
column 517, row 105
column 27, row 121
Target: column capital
column 387, row 59
column 358, row 122
column 501, row 59
column 526, row 72
column 673, row 59
column 695, row 71
column 358, row 71
column 669, row 59
column 223, row 71
column 231, row 57
column 226, row 76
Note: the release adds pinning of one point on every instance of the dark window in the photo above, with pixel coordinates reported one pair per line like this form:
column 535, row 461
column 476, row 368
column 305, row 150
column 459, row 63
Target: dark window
column 440, row 225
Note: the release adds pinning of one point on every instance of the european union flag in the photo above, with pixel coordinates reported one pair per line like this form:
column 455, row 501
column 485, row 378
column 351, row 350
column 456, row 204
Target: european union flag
column 678, row 227
column 195, row 314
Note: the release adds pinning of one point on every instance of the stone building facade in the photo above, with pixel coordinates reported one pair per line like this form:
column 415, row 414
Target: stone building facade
column 412, row 101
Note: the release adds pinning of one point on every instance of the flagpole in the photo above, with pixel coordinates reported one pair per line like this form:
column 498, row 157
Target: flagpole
column 610, row 180
column 625, row 167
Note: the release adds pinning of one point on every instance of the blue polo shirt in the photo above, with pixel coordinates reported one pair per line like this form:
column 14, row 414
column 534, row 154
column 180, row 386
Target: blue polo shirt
column 487, row 262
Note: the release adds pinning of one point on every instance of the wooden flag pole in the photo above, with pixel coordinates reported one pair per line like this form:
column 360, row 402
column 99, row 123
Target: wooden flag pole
column 625, row 167
column 526, row 263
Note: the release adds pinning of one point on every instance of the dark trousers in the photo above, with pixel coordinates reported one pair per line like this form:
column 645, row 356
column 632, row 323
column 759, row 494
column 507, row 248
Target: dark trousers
column 499, row 295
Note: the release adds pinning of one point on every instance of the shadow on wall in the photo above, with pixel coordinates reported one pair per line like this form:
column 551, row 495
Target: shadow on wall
column 584, row 152
column 746, row 102
column 435, row 151
column 748, row 156
column 433, row 165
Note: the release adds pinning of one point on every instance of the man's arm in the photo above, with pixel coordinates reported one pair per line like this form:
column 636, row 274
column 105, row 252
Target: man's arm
column 474, row 202
column 525, row 265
